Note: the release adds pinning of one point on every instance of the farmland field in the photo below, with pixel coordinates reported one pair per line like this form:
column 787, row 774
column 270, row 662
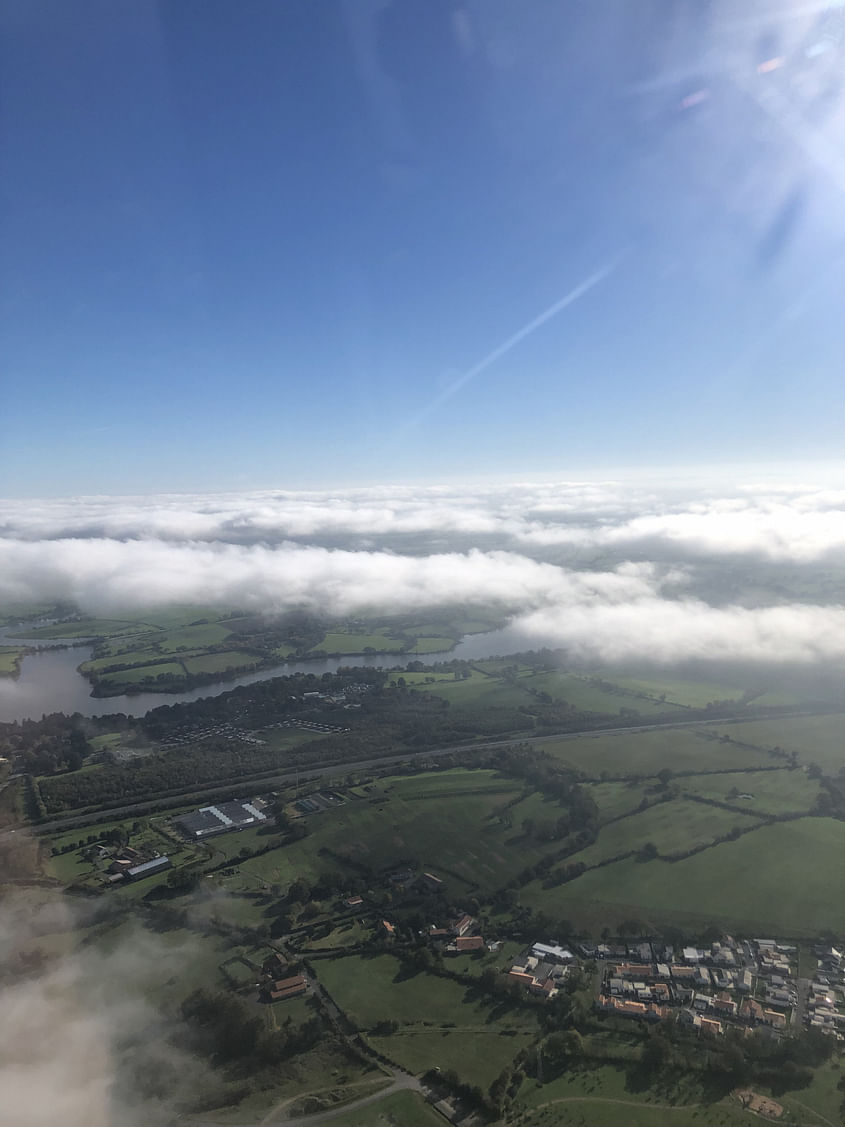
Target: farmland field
column 478, row 1056
column 815, row 739
column 335, row 643
column 673, row 827
column 690, row 694
column 773, row 792
column 647, row 752
column 614, row 799
column 375, row 988
column 141, row 673
column 10, row 659
column 769, row 880
column 586, row 695
column 220, row 662
column 401, row 1109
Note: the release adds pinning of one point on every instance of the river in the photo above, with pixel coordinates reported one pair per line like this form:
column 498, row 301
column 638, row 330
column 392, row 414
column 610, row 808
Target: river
column 50, row 682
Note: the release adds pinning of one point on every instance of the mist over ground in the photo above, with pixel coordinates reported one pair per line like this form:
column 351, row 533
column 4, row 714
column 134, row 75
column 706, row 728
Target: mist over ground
column 81, row 1044
column 606, row 569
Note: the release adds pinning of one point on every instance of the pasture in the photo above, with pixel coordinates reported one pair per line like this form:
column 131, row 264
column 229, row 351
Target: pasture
column 774, row 880
column 477, row 1056
column 678, row 691
column 616, row 799
column 229, row 661
column 401, row 1109
column 10, row 659
column 603, row 1096
column 644, row 753
column 674, row 827
column 342, row 643
column 141, row 674
column 815, row 739
column 586, row 695
column 773, row 792
column 376, row 988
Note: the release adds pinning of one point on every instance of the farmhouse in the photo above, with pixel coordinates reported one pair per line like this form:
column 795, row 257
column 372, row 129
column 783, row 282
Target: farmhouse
column 462, row 924
column 469, row 943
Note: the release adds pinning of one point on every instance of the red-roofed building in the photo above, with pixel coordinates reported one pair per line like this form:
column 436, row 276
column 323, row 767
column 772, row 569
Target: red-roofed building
column 469, row 943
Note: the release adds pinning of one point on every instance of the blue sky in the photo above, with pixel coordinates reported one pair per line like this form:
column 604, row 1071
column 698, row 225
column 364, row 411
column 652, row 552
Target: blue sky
column 256, row 244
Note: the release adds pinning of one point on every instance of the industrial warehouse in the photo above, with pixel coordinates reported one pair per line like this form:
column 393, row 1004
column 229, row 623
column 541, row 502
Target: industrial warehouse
column 221, row 818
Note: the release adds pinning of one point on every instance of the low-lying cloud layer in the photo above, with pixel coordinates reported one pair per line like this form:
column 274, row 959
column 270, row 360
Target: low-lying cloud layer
column 604, row 569
column 777, row 522
column 79, row 1045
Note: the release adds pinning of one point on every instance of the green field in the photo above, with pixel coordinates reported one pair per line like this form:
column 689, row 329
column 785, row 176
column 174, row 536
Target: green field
column 478, row 1057
column 432, row 645
column 586, row 696
column 615, row 799
column 401, row 1109
column 603, row 1096
column 673, row 827
column 10, row 659
column 141, row 674
column 455, row 833
column 776, row 879
column 83, row 628
column 815, row 739
column 689, row 694
column 230, row 661
column 647, row 752
column 335, row 643
column 774, row 792
column 375, row 988
column 130, row 657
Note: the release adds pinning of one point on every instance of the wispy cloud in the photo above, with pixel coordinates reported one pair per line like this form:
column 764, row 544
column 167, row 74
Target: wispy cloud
column 520, row 335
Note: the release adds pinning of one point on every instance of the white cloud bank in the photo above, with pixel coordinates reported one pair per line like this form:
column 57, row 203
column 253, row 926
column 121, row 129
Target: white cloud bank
column 406, row 548
column 784, row 522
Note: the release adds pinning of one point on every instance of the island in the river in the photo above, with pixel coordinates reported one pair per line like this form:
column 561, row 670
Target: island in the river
column 175, row 649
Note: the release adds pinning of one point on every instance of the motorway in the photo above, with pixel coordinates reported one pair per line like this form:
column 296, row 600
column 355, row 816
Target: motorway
column 337, row 769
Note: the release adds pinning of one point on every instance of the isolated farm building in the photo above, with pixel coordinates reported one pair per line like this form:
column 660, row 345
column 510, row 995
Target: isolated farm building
column 148, row 868
column 285, row 988
column 469, row 943
column 388, row 928
column 462, row 924
column 430, row 881
column 353, row 902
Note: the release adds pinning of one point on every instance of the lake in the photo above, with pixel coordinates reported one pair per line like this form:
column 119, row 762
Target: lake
column 50, row 682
